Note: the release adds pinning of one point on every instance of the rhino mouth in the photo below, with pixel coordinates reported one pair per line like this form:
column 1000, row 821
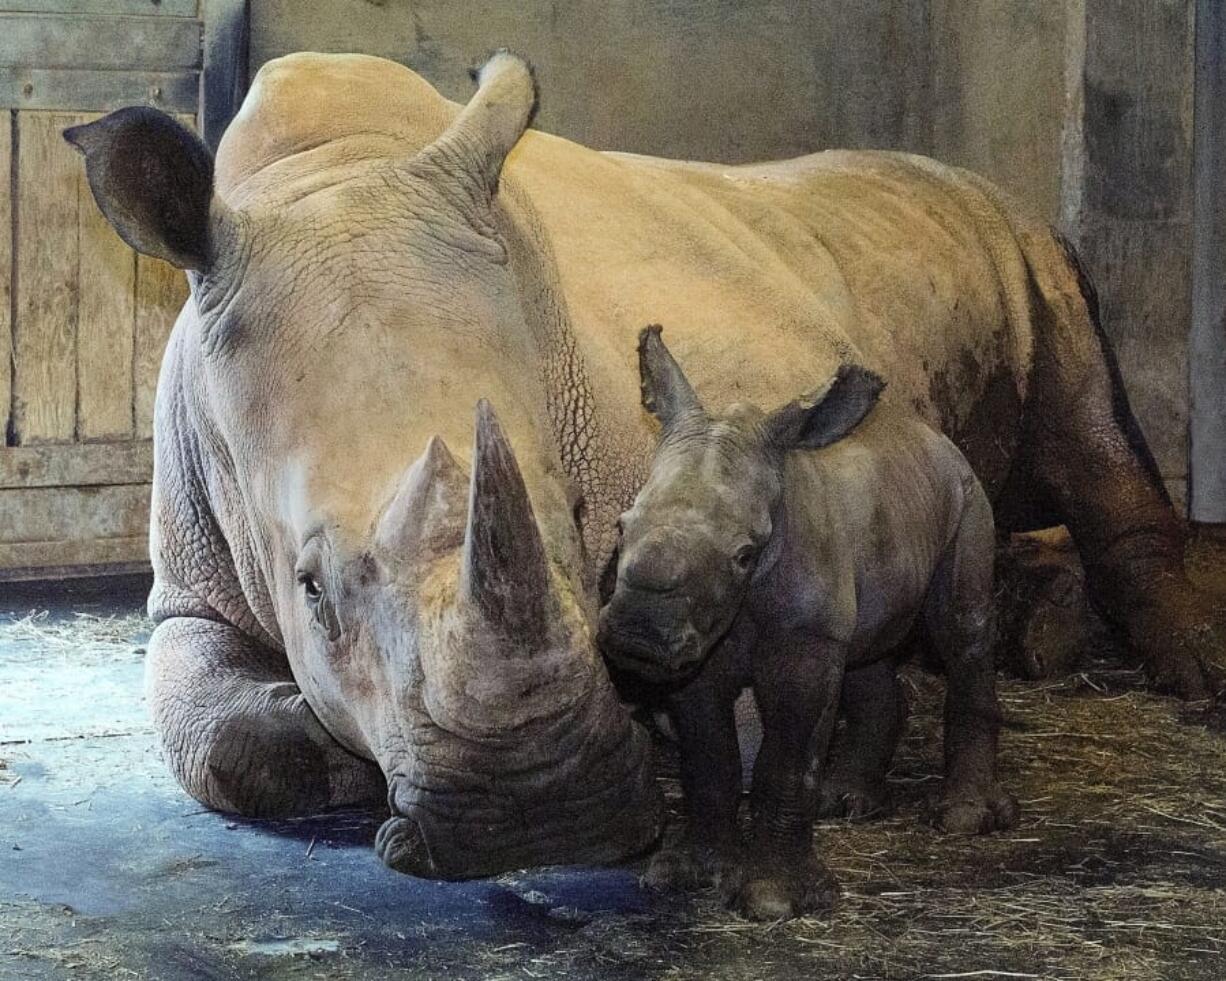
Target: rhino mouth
column 641, row 645
column 596, row 812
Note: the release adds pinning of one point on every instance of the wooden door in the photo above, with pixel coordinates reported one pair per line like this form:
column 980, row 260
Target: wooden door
column 83, row 319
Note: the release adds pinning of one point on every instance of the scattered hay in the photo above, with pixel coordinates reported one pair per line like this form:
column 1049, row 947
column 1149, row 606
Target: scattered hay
column 81, row 635
column 1117, row 871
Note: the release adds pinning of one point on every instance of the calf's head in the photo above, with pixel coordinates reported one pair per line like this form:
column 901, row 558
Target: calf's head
column 704, row 524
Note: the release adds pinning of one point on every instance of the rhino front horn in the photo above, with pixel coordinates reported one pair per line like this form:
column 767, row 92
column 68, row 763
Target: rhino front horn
column 505, row 573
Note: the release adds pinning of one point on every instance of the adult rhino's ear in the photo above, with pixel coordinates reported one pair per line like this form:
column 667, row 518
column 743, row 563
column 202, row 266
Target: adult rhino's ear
column 827, row 415
column 666, row 392
column 153, row 179
column 472, row 150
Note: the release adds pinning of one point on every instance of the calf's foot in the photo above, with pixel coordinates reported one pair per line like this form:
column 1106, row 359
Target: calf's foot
column 853, row 797
column 783, row 886
column 688, row 864
column 977, row 812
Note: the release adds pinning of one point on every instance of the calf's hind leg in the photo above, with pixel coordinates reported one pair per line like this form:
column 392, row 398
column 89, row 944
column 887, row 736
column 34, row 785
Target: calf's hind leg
column 958, row 616
column 875, row 711
column 236, row 731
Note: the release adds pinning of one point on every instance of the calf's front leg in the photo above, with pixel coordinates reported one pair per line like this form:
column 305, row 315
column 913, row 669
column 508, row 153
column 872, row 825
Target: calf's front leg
column 797, row 684
column 709, row 852
column 236, row 731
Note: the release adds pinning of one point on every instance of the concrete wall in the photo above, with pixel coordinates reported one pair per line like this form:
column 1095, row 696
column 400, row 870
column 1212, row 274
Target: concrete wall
column 1002, row 102
column 707, row 79
column 1207, row 340
column 1081, row 108
column 1135, row 220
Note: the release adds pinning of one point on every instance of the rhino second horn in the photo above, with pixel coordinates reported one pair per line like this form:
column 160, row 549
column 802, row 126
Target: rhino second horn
column 505, row 573
column 427, row 512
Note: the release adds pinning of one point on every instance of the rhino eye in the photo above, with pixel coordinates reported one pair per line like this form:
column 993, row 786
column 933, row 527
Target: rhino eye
column 310, row 586
column 745, row 557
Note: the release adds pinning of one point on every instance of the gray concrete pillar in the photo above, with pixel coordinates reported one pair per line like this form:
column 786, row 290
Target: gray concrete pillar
column 1207, row 339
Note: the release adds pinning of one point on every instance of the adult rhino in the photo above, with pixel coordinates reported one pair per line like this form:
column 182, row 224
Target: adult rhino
column 339, row 603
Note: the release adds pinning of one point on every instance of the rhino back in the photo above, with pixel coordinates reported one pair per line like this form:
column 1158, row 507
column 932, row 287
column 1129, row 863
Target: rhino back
column 766, row 276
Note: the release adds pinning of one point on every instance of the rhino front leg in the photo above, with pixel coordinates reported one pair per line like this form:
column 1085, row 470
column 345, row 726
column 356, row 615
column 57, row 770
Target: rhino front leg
column 237, row 732
column 797, row 685
column 958, row 615
column 709, row 851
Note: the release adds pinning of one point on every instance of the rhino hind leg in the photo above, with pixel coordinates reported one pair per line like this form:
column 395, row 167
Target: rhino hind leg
column 959, row 623
column 237, row 733
column 1085, row 455
column 875, row 710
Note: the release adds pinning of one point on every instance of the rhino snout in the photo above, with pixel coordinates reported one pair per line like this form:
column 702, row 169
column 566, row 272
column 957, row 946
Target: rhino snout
column 649, row 635
column 660, row 564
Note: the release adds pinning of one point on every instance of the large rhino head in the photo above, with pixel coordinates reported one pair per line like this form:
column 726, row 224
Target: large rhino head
column 341, row 329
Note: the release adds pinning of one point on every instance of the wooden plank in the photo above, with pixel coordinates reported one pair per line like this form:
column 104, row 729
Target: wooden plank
column 63, row 560
column 59, row 514
column 97, row 90
column 44, row 334
column 6, row 273
column 225, row 66
column 106, row 319
column 69, row 41
column 161, row 290
column 150, row 8
column 81, row 465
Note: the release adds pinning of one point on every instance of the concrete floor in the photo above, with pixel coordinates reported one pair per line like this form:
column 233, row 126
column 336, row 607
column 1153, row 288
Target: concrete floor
column 108, row 870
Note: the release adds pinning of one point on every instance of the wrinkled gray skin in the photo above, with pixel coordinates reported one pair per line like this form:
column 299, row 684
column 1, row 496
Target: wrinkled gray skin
column 748, row 560
column 339, row 622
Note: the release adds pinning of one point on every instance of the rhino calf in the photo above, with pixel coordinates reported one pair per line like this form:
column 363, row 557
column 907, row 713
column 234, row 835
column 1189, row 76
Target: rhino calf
column 743, row 563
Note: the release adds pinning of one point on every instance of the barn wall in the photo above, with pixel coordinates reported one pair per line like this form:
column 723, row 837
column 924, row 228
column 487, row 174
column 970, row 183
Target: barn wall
column 707, row 79
column 83, row 319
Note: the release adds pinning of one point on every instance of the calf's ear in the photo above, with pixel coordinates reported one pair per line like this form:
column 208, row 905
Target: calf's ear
column 153, row 180
column 666, row 392
column 827, row 415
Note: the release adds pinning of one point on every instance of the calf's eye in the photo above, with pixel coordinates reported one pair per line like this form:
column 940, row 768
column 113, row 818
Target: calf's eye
column 744, row 557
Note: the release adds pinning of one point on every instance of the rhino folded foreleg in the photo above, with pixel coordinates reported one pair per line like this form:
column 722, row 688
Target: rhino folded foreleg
column 236, row 731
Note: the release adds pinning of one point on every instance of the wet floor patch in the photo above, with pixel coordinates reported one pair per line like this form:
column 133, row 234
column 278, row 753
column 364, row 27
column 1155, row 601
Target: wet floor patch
column 313, row 947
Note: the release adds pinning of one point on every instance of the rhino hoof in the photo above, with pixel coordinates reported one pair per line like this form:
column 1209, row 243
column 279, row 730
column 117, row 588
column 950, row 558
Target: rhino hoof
column 402, row 846
column 780, row 889
column 995, row 811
